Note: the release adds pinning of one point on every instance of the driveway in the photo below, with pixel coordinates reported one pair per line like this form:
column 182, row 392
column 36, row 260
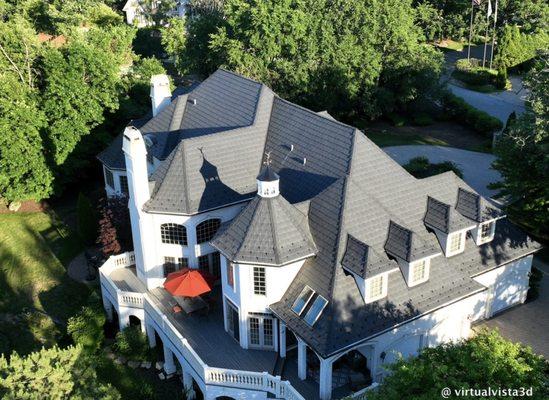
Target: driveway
column 476, row 167
column 527, row 323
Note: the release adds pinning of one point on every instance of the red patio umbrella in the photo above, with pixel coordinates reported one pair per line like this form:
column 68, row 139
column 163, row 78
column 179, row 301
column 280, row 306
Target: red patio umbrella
column 186, row 283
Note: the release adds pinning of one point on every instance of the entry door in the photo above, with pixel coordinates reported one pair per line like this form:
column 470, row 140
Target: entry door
column 260, row 327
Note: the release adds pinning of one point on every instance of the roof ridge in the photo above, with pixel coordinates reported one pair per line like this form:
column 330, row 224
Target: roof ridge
column 237, row 74
column 274, row 231
column 184, row 170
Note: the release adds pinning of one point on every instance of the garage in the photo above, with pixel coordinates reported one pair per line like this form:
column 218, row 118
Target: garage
column 510, row 287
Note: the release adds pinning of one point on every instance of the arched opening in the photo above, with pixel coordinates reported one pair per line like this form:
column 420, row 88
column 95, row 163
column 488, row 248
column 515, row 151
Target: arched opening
column 159, row 348
column 351, row 372
column 225, row 398
column 135, row 321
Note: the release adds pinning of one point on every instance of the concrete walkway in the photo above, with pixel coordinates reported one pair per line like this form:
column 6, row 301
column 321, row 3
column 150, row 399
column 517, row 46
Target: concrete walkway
column 476, row 167
column 527, row 323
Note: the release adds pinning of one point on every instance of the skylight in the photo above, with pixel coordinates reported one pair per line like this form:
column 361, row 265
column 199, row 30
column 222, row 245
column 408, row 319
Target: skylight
column 302, row 300
column 316, row 309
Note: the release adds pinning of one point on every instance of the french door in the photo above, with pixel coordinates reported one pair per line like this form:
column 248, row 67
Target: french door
column 261, row 331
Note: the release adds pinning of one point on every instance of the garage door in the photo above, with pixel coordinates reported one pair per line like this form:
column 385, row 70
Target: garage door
column 508, row 290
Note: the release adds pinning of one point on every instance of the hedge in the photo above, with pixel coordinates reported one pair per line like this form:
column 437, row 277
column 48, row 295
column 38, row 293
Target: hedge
column 470, row 72
column 460, row 111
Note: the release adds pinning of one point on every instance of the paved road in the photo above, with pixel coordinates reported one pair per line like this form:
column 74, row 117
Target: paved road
column 476, row 167
column 497, row 104
column 527, row 323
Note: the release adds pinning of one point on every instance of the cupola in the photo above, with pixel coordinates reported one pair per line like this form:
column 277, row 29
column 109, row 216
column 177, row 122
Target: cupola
column 268, row 182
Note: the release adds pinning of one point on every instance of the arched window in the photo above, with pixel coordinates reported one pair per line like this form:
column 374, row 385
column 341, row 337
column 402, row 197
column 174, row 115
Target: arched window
column 206, row 230
column 173, row 234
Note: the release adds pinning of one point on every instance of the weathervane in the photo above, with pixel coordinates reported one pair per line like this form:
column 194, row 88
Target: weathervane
column 267, row 161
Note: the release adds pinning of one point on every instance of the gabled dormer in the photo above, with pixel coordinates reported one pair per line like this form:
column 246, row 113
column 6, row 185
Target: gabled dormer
column 412, row 252
column 449, row 226
column 481, row 212
column 370, row 269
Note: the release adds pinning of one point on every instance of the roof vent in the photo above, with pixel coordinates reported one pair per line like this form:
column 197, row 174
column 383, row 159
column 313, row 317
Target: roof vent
column 193, row 101
column 291, row 147
column 304, row 160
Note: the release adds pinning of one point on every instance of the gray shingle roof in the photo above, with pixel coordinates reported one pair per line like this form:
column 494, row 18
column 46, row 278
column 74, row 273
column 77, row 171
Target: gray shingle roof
column 347, row 186
column 475, row 207
column 407, row 245
column 363, row 260
column 269, row 231
column 444, row 217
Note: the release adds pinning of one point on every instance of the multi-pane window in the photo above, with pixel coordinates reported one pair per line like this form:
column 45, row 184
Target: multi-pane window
column 259, row 281
column 316, row 309
column 375, row 287
column 455, row 242
column 173, row 234
column 261, row 330
column 210, row 263
column 124, row 184
column 486, row 230
column 206, row 230
column 254, row 331
column 172, row 264
column 302, row 300
column 109, row 178
column 230, row 274
column 419, row 271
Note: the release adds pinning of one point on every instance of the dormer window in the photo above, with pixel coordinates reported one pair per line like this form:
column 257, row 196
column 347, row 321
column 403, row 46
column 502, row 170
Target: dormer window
column 456, row 243
column 419, row 272
column 376, row 288
column 486, row 232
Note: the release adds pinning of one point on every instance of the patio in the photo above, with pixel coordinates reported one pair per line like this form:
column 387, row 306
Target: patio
column 206, row 334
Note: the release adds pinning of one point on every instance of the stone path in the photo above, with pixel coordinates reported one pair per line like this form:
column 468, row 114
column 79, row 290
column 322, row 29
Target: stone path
column 78, row 268
column 476, row 167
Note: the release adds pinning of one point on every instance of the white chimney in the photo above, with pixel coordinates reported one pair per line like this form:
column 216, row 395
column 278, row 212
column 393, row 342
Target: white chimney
column 161, row 94
column 135, row 152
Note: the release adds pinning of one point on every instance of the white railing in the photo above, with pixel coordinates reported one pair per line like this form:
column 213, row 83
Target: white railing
column 218, row 376
column 121, row 297
column 363, row 394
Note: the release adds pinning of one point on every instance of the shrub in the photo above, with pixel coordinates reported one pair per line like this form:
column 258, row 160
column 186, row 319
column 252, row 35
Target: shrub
column 86, row 219
column 132, row 343
column 535, row 278
column 501, row 79
column 86, row 327
column 423, row 120
column 396, row 119
column 420, row 167
column 460, row 111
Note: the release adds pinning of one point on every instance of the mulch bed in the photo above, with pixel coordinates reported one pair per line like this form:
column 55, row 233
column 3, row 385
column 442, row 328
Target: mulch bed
column 27, row 206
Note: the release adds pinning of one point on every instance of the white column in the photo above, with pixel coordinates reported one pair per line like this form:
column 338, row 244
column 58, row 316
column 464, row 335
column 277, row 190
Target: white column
column 151, row 336
column 107, row 305
column 301, row 359
column 282, row 343
column 188, row 385
column 326, row 379
column 169, row 365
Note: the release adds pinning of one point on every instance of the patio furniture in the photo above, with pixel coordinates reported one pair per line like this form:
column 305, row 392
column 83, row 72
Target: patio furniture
column 191, row 304
column 177, row 309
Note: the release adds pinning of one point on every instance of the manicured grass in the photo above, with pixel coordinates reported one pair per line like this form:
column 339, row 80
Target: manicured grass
column 36, row 294
column 449, row 44
column 384, row 139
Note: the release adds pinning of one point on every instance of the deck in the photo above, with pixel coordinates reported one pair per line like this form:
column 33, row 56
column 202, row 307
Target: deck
column 126, row 279
column 206, row 334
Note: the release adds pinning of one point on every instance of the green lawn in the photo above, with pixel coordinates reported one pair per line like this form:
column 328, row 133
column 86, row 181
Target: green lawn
column 384, row 139
column 36, row 294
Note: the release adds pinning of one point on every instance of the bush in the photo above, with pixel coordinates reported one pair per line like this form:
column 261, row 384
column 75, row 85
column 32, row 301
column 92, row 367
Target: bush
column 396, row 119
column 470, row 72
column 460, row 111
column 535, row 278
column 132, row 343
column 86, row 327
column 501, row 79
column 86, row 219
column 420, row 167
column 423, row 120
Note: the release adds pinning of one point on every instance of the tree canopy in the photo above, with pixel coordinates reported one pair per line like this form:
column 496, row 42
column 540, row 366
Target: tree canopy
column 53, row 374
column 523, row 156
column 486, row 360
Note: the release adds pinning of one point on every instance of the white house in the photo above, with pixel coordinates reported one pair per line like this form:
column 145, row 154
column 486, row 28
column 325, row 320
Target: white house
column 331, row 260
column 135, row 11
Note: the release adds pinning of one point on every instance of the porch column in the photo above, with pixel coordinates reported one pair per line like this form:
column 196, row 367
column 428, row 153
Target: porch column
column 169, row 365
column 301, row 359
column 282, row 340
column 151, row 336
column 187, row 379
column 326, row 379
column 107, row 305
